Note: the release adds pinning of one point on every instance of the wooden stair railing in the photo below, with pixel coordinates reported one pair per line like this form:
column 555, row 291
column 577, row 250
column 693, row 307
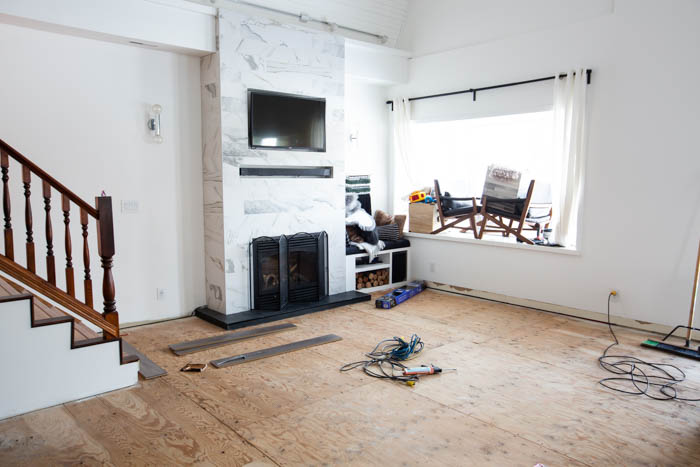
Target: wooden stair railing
column 108, row 320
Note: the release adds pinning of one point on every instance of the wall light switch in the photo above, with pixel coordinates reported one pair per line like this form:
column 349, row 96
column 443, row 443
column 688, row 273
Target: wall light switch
column 130, row 206
column 160, row 294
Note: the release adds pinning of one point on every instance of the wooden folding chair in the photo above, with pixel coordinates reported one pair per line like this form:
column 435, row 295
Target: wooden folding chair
column 497, row 211
column 539, row 215
column 453, row 211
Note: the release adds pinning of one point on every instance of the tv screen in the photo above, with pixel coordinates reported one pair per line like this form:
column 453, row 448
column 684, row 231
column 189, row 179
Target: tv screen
column 286, row 121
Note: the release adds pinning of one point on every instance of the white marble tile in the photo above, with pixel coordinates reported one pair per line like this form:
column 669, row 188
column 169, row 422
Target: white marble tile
column 257, row 53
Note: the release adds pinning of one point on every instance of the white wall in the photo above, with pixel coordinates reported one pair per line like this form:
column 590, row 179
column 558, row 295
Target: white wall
column 376, row 64
column 44, row 360
column 169, row 24
column 641, row 219
column 78, row 108
column 367, row 117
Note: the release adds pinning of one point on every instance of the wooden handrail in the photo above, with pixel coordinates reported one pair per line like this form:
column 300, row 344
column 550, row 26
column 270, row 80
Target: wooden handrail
column 108, row 320
column 37, row 283
column 12, row 152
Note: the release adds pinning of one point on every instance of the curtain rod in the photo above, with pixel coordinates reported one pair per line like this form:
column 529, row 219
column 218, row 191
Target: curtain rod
column 486, row 88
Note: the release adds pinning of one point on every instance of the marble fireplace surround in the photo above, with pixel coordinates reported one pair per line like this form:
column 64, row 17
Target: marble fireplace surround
column 258, row 53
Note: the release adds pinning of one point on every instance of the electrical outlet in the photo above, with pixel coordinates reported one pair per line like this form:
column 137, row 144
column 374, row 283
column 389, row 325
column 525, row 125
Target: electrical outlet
column 432, row 267
column 160, row 294
column 130, row 206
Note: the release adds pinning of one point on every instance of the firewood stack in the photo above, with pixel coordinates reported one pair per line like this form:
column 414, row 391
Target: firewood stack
column 372, row 278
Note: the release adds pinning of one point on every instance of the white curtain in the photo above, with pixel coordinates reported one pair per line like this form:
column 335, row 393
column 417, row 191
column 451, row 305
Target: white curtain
column 569, row 154
column 401, row 174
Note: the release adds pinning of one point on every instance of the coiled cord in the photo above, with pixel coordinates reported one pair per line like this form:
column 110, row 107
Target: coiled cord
column 654, row 380
column 384, row 359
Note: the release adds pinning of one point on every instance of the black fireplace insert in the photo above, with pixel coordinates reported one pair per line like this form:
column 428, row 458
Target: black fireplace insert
column 289, row 269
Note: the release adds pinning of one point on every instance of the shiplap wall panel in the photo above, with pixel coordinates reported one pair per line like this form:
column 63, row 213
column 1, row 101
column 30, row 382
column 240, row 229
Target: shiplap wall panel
column 377, row 16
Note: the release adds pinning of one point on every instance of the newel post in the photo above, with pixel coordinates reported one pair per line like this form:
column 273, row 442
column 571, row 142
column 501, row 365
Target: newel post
column 105, row 248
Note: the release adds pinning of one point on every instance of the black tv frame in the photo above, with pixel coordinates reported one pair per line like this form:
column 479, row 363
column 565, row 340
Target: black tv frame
column 279, row 148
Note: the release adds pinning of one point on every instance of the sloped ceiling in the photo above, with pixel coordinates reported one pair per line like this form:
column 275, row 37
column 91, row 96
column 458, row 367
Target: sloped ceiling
column 439, row 25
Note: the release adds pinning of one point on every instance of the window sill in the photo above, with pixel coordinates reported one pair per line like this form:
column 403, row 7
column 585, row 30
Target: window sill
column 494, row 243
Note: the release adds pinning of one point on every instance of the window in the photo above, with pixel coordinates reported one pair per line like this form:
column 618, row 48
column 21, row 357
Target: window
column 458, row 152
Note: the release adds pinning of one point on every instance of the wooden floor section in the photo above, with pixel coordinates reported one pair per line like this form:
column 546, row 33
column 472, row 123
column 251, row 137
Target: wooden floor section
column 525, row 392
column 43, row 309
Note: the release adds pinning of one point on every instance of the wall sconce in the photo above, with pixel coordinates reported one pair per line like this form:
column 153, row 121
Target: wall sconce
column 154, row 123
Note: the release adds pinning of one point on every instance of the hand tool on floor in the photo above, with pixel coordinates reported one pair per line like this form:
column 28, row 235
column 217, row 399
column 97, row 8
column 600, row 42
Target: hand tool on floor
column 194, row 367
column 426, row 370
column 687, row 350
column 386, row 357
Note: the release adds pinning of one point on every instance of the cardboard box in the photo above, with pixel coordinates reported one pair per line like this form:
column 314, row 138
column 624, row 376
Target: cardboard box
column 422, row 217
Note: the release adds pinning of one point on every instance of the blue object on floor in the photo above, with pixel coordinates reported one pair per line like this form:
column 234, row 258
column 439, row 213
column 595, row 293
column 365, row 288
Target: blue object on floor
column 400, row 295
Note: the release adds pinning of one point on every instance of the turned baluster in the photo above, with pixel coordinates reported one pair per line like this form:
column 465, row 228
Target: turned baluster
column 105, row 248
column 70, row 281
column 5, row 166
column 50, row 260
column 27, row 180
column 87, row 282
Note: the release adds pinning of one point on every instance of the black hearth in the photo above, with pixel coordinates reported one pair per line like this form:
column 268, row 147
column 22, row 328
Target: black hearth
column 289, row 269
column 289, row 277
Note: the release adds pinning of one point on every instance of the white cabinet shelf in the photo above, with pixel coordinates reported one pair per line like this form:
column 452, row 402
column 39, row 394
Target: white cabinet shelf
column 371, row 267
column 387, row 261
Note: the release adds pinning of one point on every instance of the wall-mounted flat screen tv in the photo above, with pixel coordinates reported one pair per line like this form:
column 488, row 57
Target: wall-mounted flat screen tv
column 286, row 121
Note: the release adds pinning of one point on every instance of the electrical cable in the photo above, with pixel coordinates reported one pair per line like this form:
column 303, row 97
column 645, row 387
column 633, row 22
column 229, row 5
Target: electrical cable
column 642, row 375
column 386, row 357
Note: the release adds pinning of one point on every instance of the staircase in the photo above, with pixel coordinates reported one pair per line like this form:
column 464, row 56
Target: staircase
column 53, row 357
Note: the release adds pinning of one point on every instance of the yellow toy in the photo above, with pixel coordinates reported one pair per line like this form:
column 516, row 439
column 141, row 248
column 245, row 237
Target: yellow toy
column 417, row 197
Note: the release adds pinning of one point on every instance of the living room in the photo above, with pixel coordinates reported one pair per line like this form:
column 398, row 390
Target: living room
column 282, row 165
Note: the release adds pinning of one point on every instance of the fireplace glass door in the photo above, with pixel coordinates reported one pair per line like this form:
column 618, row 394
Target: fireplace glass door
column 303, row 275
column 268, row 276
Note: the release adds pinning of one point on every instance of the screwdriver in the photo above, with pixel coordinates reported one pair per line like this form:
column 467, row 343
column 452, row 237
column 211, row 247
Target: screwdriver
column 425, row 370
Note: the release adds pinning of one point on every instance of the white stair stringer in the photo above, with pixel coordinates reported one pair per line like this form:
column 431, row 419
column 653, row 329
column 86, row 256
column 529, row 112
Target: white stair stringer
column 42, row 370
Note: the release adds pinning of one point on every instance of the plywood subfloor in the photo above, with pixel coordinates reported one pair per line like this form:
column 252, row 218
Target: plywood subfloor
column 525, row 392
